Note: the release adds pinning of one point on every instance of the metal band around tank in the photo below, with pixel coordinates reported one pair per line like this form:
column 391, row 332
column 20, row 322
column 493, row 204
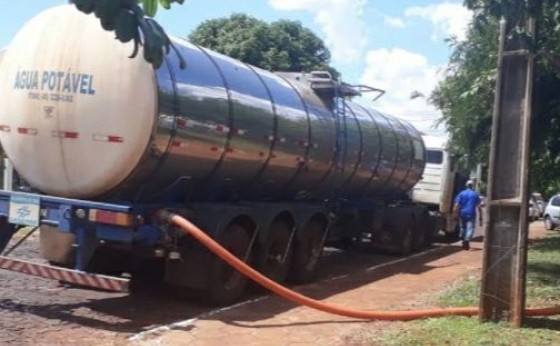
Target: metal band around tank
column 309, row 131
column 379, row 148
column 360, row 150
column 231, row 119
column 411, row 161
column 274, row 127
column 395, row 159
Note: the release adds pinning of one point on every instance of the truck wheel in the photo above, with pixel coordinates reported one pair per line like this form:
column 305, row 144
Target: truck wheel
column 225, row 284
column 274, row 259
column 398, row 225
column 406, row 241
column 422, row 230
column 431, row 232
column 307, row 252
column 548, row 223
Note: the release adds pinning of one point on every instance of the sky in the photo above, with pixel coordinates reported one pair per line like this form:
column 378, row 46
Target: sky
column 398, row 46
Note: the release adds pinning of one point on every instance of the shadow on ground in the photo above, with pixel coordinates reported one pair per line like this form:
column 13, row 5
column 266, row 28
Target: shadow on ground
column 154, row 305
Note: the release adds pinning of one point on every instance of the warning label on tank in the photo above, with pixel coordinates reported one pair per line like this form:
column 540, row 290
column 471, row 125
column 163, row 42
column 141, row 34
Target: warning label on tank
column 57, row 86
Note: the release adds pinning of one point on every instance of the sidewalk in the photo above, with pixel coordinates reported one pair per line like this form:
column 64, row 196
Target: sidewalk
column 273, row 321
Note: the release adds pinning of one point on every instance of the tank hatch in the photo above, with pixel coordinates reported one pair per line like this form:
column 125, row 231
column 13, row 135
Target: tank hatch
column 327, row 88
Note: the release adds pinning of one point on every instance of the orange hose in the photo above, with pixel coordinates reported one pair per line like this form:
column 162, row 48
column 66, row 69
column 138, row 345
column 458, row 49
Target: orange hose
column 297, row 298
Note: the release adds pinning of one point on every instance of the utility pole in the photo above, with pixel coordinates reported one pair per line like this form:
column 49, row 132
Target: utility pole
column 505, row 241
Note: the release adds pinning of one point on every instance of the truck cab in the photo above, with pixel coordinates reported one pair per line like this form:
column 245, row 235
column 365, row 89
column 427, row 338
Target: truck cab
column 439, row 184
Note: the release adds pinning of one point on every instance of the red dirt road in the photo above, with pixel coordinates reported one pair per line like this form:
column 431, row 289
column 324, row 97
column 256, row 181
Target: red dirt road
column 272, row 321
column 35, row 311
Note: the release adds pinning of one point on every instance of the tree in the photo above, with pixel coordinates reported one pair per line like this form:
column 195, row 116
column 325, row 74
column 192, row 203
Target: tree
column 281, row 46
column 129, row 22
column 465, row 96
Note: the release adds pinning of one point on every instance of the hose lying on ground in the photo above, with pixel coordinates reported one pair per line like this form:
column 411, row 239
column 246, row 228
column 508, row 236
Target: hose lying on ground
column 297, row 298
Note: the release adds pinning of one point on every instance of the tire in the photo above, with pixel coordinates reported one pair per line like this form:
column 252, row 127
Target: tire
column 274, row 258
column 225, row 284
column 406, row 239
column 422, row 231
column 548, row 223
column 431, row 235
column 397, row 224
column 7, row 230
column 307, row 252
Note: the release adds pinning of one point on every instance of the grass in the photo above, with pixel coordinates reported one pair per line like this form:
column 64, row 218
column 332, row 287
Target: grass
column 543, row 290
column 461, row 331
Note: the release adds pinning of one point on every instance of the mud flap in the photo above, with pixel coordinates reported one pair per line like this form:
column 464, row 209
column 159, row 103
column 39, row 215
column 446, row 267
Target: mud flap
column 57, row 246
column 7, row 231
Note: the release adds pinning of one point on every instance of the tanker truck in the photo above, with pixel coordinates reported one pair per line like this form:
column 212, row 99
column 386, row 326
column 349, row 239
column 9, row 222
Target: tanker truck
column 274, row 166
column 441, row 181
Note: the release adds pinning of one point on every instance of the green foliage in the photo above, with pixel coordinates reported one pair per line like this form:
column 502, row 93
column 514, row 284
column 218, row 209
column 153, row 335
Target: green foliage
column 466, row 95
column 280, row 46
column 542, row 291
column 545, row 12
column 515, row 11
column 129, row 22
column 461, row 331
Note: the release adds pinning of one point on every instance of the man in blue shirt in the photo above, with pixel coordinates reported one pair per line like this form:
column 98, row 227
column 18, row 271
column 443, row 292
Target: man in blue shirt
column 467, row 203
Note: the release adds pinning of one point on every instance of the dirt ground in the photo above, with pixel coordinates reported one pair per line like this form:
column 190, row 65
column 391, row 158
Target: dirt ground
column 401, row 284
column 34, row 311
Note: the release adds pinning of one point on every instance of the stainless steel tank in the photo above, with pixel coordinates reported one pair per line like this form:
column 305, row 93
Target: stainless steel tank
column 85, row 121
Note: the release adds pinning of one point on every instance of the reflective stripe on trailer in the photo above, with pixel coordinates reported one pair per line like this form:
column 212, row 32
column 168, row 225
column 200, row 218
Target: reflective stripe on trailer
column 5, row 128
column 65, row 134
column 177, row 143
column 183, row 123
column 27, row 131
column 108, row 138
column 221, row 128
column 104, row 282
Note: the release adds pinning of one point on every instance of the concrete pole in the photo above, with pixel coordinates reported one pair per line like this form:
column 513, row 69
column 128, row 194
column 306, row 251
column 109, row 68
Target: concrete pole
column 505, row 241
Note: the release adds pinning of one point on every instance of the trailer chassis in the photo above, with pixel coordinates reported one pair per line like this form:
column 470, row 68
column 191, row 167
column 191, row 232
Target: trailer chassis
column 89, row 222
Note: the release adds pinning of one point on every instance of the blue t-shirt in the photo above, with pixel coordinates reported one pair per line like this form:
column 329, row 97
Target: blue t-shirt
column 468, row 200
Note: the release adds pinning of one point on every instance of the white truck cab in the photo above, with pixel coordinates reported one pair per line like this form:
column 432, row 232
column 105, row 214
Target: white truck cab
column 439, row 184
